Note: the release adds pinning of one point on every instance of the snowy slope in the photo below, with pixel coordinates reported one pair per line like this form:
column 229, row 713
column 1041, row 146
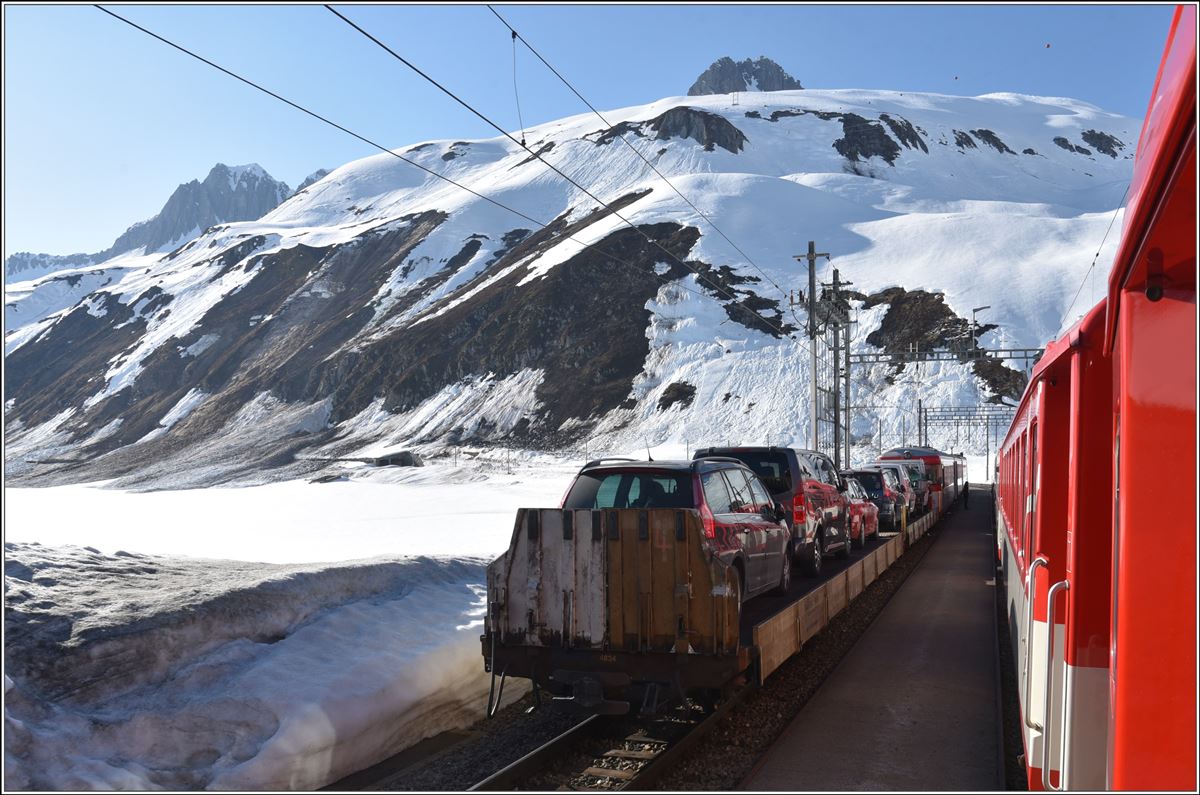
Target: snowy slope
column 381, row 306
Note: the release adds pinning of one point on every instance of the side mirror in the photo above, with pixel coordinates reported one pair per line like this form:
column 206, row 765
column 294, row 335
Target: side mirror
column 842, row 485
column 780, row 512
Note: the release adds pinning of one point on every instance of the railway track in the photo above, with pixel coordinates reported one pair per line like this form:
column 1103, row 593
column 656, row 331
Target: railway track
column 605, row 754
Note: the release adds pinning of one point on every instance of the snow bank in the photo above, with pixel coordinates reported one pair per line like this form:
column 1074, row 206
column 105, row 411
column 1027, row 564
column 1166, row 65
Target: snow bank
column 131, row 671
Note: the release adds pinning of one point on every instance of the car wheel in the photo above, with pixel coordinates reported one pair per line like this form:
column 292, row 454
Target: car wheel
column 785, row 579
column 812, row 558
column 844, row 552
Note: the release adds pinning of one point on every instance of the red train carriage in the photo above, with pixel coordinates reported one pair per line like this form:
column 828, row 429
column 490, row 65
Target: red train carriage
column 1097, row 489
column 947, row 471
column 1150, row 332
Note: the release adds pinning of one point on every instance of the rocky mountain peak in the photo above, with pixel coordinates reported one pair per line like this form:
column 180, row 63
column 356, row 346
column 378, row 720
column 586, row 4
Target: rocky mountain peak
column 228, row 193
column 726, row 76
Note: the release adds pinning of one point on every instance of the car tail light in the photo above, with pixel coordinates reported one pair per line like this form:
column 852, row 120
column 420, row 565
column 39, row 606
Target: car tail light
column 707, row 520
column 799, row 517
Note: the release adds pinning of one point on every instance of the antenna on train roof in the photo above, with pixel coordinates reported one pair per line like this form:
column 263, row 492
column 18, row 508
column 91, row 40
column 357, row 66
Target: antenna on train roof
column 648, row 456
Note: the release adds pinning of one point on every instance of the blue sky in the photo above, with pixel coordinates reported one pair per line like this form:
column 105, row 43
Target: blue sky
column 102, row 122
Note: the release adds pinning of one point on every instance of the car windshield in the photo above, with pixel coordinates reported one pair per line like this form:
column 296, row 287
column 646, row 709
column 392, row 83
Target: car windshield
column 607, row 489
column 771, row 467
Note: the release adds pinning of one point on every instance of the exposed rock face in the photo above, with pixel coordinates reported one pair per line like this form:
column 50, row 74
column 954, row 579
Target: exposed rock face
column 921, row 318
column 241, row 193
column 904, row 132
column 228, row 193
column 862, row 139
column 1063, row 143
column 706, row 129
column 1104, row 143
column 992, row 140
column 679, row 392
column 726, row 76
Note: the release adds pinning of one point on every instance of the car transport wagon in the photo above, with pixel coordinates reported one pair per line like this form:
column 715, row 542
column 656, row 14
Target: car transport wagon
column 650, row 558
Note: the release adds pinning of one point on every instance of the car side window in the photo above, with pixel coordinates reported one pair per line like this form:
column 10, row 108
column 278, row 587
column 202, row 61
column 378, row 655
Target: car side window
column 761, row 496
column 742, row 500
column 716, row 493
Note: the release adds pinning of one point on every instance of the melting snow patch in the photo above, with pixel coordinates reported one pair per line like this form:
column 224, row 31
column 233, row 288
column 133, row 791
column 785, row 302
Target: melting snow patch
column 180, row 410
column 199, row 346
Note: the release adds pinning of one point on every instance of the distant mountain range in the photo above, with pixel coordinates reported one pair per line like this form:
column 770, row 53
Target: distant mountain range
column 228, row 193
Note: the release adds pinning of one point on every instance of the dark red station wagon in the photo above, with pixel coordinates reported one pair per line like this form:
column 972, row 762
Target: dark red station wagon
column 741, row 521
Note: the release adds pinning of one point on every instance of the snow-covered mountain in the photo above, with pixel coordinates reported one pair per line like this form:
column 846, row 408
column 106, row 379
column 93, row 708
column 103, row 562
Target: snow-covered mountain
column 228, row 193
column 381, row 306
column 725, row 76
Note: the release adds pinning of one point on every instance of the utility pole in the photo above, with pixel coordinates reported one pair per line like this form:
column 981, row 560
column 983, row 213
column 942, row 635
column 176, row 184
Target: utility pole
column 920, row 423
column 881, row 437
column 987, row 450
column 903, row 432
column 811, row 257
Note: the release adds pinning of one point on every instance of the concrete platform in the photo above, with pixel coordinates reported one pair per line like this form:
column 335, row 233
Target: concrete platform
column 914, row 705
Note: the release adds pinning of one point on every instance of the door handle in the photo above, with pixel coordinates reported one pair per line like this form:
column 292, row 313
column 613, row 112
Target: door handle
column 1031, row 589
column 1055, row 589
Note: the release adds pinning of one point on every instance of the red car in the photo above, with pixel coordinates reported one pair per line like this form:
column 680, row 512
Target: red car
column 809, row 488
column 864, row 516
column 742, row 523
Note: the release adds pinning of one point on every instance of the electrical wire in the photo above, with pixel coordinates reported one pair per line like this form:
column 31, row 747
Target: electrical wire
column 494, row 202
column 516, row 93
column 385, row 150
column 728, row 293
column 1092, row 267
column 733, row 297
column 635, row 150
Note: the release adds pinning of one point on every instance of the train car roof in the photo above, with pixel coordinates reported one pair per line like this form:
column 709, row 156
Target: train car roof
column 1167, row 136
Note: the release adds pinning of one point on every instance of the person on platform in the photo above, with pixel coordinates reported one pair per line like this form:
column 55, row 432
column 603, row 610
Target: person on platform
column 966, row 493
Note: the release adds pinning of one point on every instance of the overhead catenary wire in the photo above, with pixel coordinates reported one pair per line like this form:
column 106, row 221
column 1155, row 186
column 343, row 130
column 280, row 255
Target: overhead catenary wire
column 717, row 287
column 516, row 35
column 1092, row 267
column 385, row 150
column 733, row 297
column 516, row 92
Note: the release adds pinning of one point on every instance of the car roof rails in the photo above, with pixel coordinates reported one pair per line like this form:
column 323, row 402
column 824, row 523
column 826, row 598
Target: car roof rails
column 599, row 461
